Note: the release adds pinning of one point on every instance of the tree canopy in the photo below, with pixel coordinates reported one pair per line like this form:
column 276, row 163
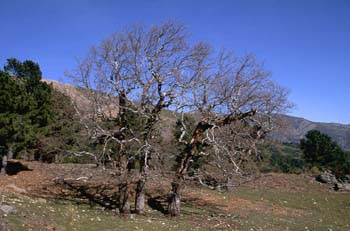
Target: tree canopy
column 25, row 105
column 320, row 150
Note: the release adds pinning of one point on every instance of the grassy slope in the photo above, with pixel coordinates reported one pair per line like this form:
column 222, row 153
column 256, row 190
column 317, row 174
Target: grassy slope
column 248, row 208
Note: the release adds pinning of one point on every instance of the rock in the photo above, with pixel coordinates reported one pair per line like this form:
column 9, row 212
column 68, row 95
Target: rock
column 342, row 187
column 2, row 225
column 8, row 209
column 15, row 188
column 327, row 178
column 347, row 178
column 41, row 200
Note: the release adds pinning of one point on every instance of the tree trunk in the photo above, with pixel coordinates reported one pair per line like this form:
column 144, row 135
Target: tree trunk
column 26, row 155
column 141, row 183
column 174, row 203
column 10, row 153
column 140, row 197
column 124, row 206
column 230, row 184
column 4, row 165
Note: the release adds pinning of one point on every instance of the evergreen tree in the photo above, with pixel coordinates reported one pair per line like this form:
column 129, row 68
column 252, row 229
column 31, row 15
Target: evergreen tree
column 321, row 151
column 25, row 106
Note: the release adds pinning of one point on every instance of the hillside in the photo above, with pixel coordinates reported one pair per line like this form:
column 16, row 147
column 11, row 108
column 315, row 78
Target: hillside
column 297, row 127
column 294, row 130
column 270, row 202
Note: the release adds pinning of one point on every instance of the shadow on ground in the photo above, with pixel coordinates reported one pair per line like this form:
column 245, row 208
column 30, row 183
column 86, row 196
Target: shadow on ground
column 157, row 203
column 14, row 168
column 102, row 195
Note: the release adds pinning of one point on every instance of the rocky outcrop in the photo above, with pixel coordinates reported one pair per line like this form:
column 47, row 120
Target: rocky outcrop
column 328, row 178
column 342, row 187
column 7, row 209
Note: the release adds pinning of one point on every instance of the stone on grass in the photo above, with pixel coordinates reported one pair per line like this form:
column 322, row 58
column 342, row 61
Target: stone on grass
column 342, row 187
column 8, row 209
column 327, row 178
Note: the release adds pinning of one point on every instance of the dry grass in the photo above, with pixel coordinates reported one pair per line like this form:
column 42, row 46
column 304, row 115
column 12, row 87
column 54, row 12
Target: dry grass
column 271, row 202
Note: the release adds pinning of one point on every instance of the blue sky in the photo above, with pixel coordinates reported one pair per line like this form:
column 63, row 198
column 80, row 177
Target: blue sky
column 304, row 43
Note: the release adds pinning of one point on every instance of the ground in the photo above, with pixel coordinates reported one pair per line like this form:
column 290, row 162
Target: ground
column 270, row 202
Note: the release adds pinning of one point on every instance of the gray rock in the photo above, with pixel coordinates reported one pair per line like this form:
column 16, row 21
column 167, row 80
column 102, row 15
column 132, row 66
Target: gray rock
column 327, row 178
column 2, row 225
column 8, row 209
column 347, row 178
column 342, row 187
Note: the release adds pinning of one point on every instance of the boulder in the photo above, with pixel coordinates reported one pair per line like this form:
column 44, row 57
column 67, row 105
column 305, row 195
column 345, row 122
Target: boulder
column 8, row 209
column 347, row 178
column 2, row 225
column 327, row 178
column 342, row 186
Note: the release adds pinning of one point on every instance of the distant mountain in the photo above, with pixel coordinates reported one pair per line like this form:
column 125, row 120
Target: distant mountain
column 295, row 129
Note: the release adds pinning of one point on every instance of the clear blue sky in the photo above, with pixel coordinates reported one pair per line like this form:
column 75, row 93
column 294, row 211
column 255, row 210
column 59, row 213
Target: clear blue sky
column 304, row 43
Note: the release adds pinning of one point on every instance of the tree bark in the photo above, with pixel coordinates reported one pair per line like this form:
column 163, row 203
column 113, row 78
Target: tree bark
column 124, row 206
column 140, row 187
column 4, row 165
column 10, row 153
column 174, row 200
column 174, row 203
column 140, row 197
column 141, row 183
column 230, row 184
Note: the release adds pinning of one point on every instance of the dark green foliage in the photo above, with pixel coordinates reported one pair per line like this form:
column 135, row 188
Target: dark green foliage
column 287, row 163
column 285, row 158
column 321, row 151
column 25, row 106
column 28, row 69
column 63, row 132
column 318, row 148
column 189, row 125
column 36, row 121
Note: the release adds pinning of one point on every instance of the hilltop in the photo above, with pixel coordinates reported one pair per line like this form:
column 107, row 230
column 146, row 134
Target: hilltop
column 295, row 128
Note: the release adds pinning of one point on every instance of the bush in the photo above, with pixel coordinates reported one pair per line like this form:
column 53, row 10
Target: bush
column 321, row 151
column 315, row 171
column 281, row 158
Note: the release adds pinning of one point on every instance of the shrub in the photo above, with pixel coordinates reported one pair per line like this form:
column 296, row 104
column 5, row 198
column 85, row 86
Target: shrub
column 321, row 151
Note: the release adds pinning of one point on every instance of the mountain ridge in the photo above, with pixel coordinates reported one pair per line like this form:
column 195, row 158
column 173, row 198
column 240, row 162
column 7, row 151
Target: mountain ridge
column 295, row 127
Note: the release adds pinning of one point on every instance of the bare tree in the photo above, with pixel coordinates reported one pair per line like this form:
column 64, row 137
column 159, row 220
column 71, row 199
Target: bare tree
column 140, row 67
column 224, row 90
column 141, row 71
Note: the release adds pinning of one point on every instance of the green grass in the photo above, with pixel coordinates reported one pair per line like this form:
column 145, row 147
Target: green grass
column 38, row 215
column 318, row 211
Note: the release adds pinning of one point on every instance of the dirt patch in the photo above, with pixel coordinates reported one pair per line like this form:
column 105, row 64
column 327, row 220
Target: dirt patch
column 25, row 181
column 97, row 185
column 40, row 179
column 238, row 205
